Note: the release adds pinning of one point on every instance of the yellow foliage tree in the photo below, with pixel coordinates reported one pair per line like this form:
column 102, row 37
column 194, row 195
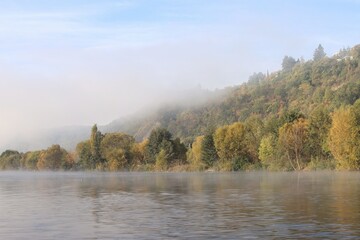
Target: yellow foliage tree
column 344, row 139
column 267, row 151
column 293, row 138
column 116, row 149
column 138, row 152
column 54, row 158
column 231, row 146
column 116, row 159
column 162, row 159
column 195, row 154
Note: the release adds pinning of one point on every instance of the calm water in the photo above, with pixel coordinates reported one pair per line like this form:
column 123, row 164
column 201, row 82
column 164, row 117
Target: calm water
column 179, row 205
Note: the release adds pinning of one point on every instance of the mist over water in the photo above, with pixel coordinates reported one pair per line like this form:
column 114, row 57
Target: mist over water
column 258, row 205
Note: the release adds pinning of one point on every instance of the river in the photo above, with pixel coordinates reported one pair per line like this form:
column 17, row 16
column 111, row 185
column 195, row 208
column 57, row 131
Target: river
column 254, row 205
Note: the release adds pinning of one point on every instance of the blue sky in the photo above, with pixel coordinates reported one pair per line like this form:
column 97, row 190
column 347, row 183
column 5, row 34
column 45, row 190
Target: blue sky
column 56, row 55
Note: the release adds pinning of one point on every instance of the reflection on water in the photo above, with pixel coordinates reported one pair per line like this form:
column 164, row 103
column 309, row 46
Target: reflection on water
column 179, row 205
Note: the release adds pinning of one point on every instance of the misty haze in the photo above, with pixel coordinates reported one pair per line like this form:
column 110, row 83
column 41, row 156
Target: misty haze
column 179, row 119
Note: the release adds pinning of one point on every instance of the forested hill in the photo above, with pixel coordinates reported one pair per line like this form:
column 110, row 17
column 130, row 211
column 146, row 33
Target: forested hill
column 300, row 86
column 305, row 116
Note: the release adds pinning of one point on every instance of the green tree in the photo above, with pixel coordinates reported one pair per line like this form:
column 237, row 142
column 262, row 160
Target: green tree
column 95, row 146
column 319, row 125
column 268, row 153
column 319, row 53
column 179, row 151
column 157, row 139
column 10, row 160
column 208, row 151
column 84, row 159
column 288, row 63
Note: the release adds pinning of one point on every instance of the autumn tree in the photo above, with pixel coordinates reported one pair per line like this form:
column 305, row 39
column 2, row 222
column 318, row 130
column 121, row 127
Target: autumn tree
column 30, row 159
column 138, row 152
column 162, row 159
column 344, row 137
column 54, row 158
column 195, row 154
column 268, row 153
column 10, row 160
column 116, row 150
column 231, row 146
column 293, row 139
column 254, row 128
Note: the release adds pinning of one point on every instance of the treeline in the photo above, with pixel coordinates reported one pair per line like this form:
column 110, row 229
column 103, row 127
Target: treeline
column 104, row 152
column 305, row 116
column 294, row 141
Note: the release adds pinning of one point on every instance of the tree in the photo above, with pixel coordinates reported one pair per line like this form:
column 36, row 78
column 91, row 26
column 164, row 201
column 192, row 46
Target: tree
column 95, row 146
column 30, row 159
column 162, row 159
column 54, row 158
column 156, row 139
column 84, row 159
column 293, row 139
column 319, row 53
column 290, row 116
column 179, row 151
column 10, row 160
column 138, row 152
column 116, row 159
column 254, row 128
column 256, row 78
column 319, row 125
column 268, row 152
column 344, row 137
column 231, row 146
column 288, row 63
column 208, row 150
column 117, row 143
column 195, row 155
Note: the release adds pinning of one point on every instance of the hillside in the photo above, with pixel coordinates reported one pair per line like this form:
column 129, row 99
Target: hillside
column 300, row 86
column 305, row 116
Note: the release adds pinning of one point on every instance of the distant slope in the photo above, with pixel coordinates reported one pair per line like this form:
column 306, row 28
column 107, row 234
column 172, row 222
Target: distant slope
column 330, row 81
column 67, row 137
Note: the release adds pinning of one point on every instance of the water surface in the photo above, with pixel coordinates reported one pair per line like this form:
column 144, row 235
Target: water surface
column 259, row 205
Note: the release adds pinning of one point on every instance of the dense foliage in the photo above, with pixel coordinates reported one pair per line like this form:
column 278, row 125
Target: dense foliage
column 306, row 116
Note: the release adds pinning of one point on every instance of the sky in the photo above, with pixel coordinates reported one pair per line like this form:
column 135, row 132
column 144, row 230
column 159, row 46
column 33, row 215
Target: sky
column 80, row 62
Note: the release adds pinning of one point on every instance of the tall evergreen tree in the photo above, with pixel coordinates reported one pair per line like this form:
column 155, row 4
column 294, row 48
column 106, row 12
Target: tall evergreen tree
column 159, row 138
column 95, row 146
column 319, row 53
column 208, row 150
